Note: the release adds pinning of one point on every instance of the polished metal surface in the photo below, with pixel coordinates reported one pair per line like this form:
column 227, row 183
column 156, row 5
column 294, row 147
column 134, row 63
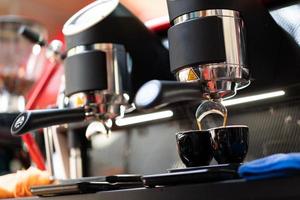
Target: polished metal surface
column 54, row 50
column 234, row 39
column 100, row 104
column 97, row 46
column 96, row 127
column 110, row 103
column 75, row 163
column 222, row 79
column 48, row 137
column 205, row 13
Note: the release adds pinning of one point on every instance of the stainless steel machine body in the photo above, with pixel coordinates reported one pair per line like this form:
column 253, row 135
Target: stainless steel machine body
column 110, row 102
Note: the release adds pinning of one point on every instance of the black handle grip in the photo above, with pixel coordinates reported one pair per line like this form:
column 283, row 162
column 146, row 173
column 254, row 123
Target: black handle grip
column 159, row 93
column 6, row 120
column 35, row 119
column 32, row 36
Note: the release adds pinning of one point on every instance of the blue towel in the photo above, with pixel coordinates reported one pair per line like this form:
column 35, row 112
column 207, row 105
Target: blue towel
column 276, row 165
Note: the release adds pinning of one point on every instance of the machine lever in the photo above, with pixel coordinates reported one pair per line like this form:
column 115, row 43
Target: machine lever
column 157, row 93
column 35, row 119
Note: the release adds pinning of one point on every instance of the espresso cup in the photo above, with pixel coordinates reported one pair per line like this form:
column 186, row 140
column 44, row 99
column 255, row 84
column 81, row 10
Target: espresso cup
column 194, row 147
column 230, row 143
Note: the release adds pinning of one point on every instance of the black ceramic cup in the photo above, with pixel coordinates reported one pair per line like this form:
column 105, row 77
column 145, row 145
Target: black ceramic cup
column 230, row 143
column 194, row 147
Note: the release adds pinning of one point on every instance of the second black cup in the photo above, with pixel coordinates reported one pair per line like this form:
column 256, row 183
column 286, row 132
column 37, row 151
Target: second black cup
column 230, row 143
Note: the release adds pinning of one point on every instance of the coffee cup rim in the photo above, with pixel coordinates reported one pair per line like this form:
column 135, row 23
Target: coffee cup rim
column 191, row 131
column 230, row 126
column 211, row 129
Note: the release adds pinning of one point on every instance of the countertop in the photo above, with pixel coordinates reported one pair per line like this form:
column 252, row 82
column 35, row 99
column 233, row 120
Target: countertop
column 280, row 188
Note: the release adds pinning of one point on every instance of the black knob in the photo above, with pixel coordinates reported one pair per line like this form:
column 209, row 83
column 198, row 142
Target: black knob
column 156, row 93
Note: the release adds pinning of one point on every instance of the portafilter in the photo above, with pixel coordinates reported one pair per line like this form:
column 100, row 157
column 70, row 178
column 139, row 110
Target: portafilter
column 207, row 50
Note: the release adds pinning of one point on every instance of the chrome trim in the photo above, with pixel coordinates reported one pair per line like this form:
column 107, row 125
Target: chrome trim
column 234, row 40
column 205, row 13
column 214, row 71
column 100, row 104
column 96, row 127
column 220, row 80
column 48, row 138
column 97, row 46
column 54, row 51
column 76, row 168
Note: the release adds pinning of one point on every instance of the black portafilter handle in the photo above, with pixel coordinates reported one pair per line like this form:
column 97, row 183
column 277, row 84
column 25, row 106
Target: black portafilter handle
column 155, row 93
column 32, row 36
column 36, row 119
column 6, row 120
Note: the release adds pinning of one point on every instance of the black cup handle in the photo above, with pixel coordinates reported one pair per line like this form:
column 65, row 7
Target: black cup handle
column 35, row 119
column 157, row 93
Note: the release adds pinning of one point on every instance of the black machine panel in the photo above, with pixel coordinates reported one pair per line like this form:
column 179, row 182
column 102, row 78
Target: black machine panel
column 274, row 128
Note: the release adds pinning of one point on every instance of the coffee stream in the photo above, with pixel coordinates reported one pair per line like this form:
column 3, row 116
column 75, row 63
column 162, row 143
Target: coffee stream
column 211, row 114
column 212, row 119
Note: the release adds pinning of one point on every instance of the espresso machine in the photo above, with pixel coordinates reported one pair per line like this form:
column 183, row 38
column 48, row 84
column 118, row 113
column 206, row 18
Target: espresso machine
column 209, row 42
column 102, row 72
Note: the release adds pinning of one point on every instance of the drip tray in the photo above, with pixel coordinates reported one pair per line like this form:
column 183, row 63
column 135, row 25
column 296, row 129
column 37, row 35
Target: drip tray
column 192, row 175
column 233, row 167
